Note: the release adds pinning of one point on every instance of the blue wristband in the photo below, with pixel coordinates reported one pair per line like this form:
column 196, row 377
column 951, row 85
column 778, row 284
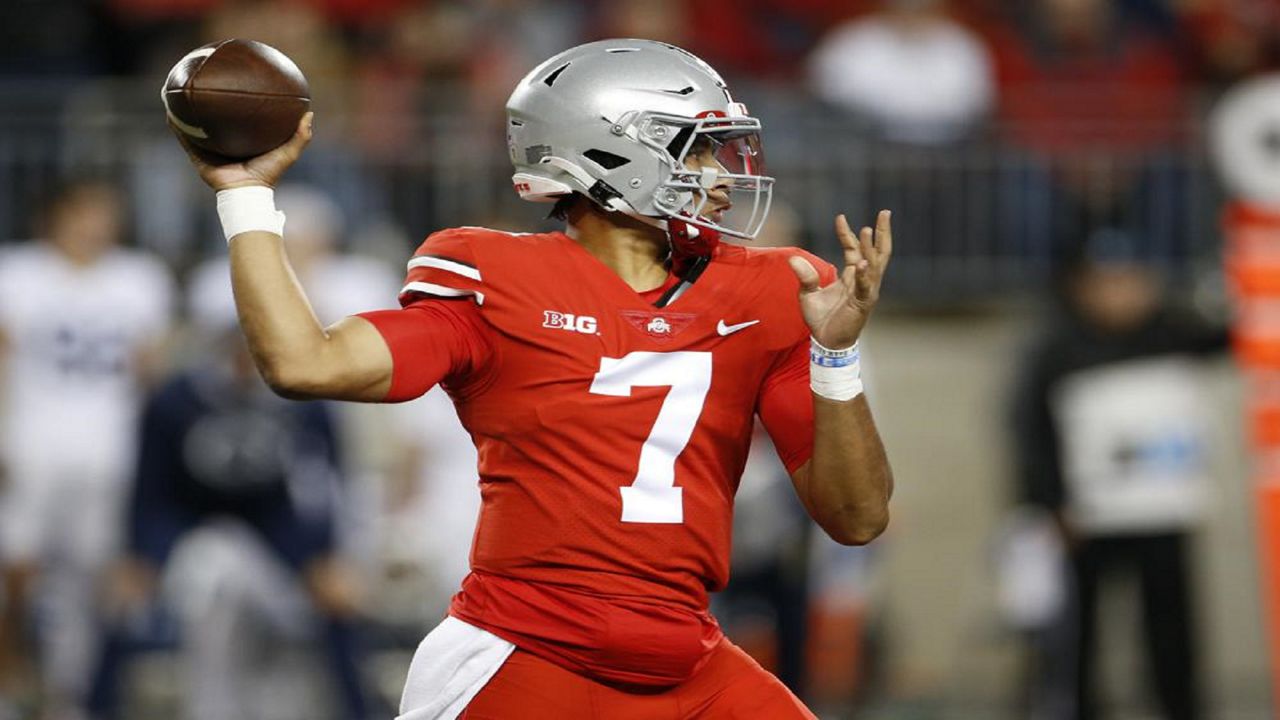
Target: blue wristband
column 826, row 357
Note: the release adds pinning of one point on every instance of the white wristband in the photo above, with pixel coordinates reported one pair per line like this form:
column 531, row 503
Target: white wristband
column 835, row 374
column 249, row 209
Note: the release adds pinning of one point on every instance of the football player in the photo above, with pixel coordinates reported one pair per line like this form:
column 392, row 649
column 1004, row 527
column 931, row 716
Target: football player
column 609, row 375
column 82, row 328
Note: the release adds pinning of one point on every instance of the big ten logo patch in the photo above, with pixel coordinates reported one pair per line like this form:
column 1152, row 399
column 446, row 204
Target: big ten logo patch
column 584, row 324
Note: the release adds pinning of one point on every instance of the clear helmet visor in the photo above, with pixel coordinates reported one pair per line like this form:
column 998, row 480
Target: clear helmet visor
column 733, row 143
column 737, row 155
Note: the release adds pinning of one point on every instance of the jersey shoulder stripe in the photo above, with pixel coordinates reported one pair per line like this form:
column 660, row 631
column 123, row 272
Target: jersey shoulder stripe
column 444, row 266
column 467, row 261
column 421, row 287
column 448, row 264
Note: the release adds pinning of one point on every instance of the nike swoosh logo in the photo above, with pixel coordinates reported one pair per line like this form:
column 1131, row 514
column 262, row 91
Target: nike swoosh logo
column 731, row 329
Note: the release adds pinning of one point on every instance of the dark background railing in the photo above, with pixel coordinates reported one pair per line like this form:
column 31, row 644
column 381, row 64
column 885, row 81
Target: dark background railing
column 980, row 219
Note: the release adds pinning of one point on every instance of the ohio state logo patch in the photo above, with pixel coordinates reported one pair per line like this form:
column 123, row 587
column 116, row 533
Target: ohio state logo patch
column 657, row 324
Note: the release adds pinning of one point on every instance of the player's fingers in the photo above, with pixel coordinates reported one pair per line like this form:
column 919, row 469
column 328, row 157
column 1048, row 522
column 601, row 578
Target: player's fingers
column 843, row 231
column 866, row 243
column 849, row 241
column 805, row 273
column 884, row 236
column 293, row 148
column 864, row 283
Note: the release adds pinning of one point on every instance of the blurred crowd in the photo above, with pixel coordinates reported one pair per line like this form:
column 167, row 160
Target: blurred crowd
column 490, row 43
column 156, row 500
column 864, row 55
column 1092, row 102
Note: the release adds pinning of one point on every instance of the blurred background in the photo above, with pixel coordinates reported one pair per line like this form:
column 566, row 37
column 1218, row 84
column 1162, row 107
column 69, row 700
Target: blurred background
column 1074, row 528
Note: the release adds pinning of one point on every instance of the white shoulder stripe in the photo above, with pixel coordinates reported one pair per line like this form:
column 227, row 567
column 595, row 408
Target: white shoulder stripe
column 427, row 288
column 456, row 268
column 492, row 230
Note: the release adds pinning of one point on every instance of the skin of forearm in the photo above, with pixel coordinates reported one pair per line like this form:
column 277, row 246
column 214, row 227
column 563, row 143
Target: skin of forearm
column 289, row 345
column 296, row 355
column 848, row 482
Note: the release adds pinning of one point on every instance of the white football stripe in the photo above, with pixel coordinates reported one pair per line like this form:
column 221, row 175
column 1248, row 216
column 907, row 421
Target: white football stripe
column 456, row 268
column 427, row 288
column 191, row 130
column 199, row 52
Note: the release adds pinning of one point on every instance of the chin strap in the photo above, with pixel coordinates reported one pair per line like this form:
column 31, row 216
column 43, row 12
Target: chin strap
column 689, row 242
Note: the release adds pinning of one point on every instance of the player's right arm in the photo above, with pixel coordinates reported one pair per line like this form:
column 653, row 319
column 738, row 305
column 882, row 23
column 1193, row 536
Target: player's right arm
column 296, row 355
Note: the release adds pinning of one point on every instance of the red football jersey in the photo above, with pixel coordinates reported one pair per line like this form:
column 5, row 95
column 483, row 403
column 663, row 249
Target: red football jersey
column 611, row 436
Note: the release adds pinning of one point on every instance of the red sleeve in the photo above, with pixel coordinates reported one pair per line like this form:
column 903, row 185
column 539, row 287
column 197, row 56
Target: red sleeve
column 444, row 266
column 826, row 271
column 786, row 407
column 786, row 402
column 432, row 341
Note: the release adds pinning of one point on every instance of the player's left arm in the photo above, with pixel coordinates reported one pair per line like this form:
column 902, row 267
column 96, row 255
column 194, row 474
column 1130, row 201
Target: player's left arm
column 847, row 482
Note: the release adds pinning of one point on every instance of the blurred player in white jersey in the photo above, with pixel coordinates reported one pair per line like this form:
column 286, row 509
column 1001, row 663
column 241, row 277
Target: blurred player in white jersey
column 82, row 323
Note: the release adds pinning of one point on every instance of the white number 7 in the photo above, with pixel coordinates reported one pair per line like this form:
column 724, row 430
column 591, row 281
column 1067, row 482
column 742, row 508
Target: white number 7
column 653, row 496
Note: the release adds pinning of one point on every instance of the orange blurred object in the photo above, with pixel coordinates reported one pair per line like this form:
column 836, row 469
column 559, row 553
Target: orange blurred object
column 1252, row 253
column 1252, row 264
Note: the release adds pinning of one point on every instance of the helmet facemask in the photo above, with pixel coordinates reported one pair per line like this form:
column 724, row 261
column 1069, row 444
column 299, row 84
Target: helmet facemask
column 732, row 166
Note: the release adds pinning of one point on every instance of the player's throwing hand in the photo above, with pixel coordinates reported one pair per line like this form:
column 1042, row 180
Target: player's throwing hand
column 837, row 313
column 221, row 173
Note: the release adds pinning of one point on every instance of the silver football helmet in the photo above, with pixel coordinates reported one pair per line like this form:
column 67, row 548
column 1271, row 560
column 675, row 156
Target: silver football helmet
column 615, row 119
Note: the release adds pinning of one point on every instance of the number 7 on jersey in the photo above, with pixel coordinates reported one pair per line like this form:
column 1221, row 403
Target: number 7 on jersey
column 653, row 497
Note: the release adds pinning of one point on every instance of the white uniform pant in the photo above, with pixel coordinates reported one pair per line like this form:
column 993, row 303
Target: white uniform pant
column 449, row 668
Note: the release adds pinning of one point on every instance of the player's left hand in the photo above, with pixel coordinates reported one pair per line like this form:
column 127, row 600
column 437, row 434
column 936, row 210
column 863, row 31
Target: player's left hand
column 837, row 313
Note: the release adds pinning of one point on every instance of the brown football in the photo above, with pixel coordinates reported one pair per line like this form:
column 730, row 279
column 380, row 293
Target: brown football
column 237, row 98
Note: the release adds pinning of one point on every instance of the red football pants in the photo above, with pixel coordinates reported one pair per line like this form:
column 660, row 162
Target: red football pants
column 729, row 685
